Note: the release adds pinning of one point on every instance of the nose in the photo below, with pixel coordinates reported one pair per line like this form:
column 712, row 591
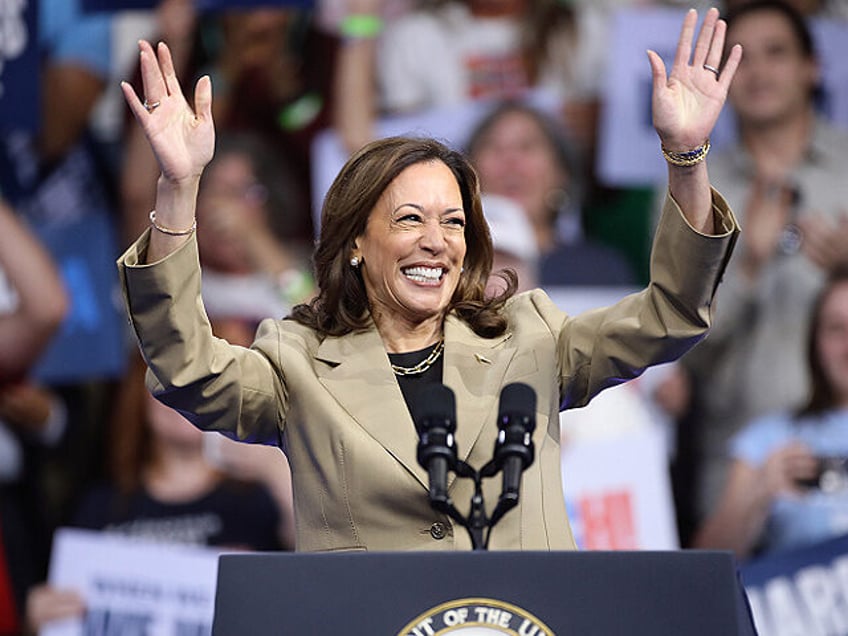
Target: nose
column 433, row 236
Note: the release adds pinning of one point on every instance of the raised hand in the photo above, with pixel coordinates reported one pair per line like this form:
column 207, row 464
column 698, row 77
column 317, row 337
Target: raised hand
column 686, row 103
column 181, row 137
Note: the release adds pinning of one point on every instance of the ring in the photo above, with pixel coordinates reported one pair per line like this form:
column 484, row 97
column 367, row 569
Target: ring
column 711, row 69
column 150, row 107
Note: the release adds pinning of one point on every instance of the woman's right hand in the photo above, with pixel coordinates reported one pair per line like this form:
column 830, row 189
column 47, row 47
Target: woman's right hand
column 181, row 137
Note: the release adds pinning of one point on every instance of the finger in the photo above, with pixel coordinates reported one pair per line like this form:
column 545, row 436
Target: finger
column 705, row 38
column 658, row 73
column 716, row 50
column 684, row 44
column 133, row 101
column 151, row 74
column 730, row 66
column 203, row 98
column 169, row 75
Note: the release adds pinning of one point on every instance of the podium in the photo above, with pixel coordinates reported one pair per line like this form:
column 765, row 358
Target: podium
column 696, row 593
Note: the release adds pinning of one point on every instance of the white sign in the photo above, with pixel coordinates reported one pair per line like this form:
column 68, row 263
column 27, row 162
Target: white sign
column 132, row 586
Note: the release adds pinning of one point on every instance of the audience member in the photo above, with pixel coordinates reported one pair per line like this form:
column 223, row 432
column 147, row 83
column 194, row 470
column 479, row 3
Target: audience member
column 245, row 196
column 449, row 52
column 34, row 303
column 523, row 154
column 513, row 244
column 164, row 488
column 786, row 180
column 271, row 69
column 788, row 483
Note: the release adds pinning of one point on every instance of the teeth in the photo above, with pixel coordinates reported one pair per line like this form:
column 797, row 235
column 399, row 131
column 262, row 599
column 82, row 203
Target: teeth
column 423, row 274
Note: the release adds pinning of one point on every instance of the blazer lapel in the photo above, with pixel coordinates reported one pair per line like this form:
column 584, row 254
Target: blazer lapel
column 474, row 370
column 359, row 377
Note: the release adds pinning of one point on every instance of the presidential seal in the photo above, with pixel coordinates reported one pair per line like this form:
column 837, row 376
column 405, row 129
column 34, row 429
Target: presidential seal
column 476, row 617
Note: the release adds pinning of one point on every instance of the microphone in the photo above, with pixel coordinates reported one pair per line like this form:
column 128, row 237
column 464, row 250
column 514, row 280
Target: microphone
column 436, row 424
column 514, row 445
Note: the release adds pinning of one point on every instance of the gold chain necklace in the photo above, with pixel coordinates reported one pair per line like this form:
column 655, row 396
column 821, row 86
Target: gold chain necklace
column 422, row 366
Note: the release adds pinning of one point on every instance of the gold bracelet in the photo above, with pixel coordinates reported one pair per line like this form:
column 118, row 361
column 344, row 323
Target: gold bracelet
column 169, row 231
column 689, row 157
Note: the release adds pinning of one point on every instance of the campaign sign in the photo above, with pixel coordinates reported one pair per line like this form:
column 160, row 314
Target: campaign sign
column 19, row 91
column 202, row 5
column 800, row 592
column 132, row 586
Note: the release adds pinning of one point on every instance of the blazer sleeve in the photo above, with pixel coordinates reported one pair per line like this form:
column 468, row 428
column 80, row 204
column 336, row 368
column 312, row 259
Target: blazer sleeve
column 216, row 385
column 606, row 346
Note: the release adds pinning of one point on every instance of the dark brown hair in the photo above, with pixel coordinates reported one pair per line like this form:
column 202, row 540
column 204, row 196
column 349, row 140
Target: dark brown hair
column 823, row 395
column 341, row 305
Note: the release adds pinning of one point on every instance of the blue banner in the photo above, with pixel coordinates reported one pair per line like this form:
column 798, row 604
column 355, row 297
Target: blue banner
column 202, row 5
column 801, row 592
column 19, row 76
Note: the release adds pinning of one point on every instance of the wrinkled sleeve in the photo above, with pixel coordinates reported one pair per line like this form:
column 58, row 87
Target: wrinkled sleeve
column 216, row 385
column 606, row 346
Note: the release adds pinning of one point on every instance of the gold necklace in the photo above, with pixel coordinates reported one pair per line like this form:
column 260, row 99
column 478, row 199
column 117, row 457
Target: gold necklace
column 422, row 366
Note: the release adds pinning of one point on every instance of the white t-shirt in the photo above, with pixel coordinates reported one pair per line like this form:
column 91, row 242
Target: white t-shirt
column 444, row 57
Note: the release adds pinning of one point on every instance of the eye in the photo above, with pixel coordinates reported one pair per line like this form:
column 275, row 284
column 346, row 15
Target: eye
column 456, row 221
column 412, row 217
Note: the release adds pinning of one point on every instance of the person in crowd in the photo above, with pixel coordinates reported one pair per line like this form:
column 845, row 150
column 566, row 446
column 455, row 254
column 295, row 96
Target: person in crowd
column 164, row 487
column 402, row 265
column 513, row 244
column 451, row 52
column 249, row 271
column 34, row 303
column 522, row 153
column 785, row 178
column 788, row 482
column 272, row 69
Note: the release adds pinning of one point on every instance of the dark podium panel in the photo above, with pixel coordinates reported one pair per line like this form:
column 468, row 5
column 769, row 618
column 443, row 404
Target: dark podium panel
column 691, row 593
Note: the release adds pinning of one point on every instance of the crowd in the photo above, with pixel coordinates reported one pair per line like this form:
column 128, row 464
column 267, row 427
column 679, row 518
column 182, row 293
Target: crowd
column 756, row 407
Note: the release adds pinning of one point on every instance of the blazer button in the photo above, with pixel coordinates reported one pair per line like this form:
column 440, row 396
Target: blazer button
column 438, row 531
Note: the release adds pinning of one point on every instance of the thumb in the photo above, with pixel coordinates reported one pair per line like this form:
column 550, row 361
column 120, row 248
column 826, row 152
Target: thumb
column 658, row 72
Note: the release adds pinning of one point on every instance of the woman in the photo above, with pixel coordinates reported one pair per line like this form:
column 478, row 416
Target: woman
column 522, row 153
column 788, row 484
column 402, row 265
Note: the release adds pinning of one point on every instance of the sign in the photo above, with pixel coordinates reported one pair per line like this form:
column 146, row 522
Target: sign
column 19, row 76
column 202, row 5
column 132, row 586
column 800, row 592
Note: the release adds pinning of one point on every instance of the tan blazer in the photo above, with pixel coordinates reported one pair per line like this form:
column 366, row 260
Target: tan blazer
column 335, row 407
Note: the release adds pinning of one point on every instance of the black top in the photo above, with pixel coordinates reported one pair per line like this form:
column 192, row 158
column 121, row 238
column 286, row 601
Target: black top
column 412, row 385
column 237, row 515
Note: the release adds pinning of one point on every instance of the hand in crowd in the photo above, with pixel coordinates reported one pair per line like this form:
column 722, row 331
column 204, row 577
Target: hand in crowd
column 46, row 604
column 674, row 393
column 786, row 468
column 767, row 212
column 25, row 407
column 824, row 243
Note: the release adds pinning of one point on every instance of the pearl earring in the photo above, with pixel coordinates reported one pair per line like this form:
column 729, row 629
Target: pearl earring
column 354, row 261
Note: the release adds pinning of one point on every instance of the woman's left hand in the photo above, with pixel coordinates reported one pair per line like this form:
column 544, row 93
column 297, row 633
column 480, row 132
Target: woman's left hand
column 686, row 104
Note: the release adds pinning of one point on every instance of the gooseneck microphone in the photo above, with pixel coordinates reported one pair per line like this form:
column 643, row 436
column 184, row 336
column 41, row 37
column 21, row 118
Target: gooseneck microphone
column 514, row 444
column 435, row 421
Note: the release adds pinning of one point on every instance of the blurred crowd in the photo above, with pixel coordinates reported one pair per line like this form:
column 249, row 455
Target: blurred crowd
column 755, row 411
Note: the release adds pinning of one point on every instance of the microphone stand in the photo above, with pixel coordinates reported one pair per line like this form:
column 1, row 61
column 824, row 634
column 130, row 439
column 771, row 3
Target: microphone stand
column 477, row 522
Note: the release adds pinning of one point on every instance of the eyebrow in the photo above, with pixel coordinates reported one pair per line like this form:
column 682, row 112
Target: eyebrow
column 420, row 208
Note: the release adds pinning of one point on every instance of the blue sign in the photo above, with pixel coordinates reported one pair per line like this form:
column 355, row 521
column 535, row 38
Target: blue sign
column 801, row 592
column 202, row 5
column 19, row 76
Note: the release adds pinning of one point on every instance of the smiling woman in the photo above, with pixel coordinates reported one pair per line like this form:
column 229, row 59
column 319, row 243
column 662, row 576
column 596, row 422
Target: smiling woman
column 402, row 267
